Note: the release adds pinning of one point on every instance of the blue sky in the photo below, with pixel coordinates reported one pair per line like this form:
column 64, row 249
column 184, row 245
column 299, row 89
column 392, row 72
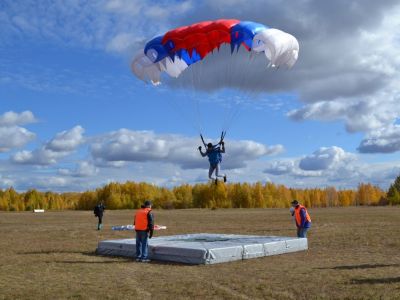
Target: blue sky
column 74, row 117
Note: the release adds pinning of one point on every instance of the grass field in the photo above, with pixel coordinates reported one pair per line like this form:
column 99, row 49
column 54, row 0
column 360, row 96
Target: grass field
column 354, row 254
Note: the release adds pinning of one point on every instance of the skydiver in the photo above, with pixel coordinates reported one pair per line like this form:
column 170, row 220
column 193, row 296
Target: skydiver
column 214, row 153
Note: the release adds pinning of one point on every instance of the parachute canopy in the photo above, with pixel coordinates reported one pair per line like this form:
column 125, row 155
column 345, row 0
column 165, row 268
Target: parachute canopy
column 179, row 48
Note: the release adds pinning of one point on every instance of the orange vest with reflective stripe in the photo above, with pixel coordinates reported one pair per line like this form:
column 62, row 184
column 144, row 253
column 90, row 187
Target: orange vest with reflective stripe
column 141, row 221
column 298, row 216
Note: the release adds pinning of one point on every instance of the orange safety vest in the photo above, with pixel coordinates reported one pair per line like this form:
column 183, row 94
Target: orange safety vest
column 141, row 221
column 297, row 214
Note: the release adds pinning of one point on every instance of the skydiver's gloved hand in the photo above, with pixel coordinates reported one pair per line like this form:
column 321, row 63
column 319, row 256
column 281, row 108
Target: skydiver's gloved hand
column 199, row 148
column 151, row 234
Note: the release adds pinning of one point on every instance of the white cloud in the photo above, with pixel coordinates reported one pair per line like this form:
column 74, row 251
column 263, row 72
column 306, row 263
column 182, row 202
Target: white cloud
column 14, row 137
column 383, row 140
column 62, row 145
column 325, row 166
column 40, row 156
column 11, row 118
column 145, row 146
column 280, row 167
column 369, row 114
column 325, row 158
column 93, row 24
column 122, row 42
column 83, row 169
column 67, row 140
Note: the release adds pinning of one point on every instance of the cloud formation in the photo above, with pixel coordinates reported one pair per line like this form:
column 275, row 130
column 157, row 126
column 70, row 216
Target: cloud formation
column 325, row 158
column 83, row 169
column 146, row 146
column 383, row 140
column 13, row 136
column 327, row 164
column 62, row 145
column 11, row 118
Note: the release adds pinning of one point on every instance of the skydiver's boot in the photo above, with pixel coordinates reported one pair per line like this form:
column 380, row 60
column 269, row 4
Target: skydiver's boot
column 224, row 178
column 216, row 181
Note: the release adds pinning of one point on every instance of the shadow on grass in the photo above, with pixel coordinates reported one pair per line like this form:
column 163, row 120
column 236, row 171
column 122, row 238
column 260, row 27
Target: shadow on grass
column 375, row 280
column 91, row 262
column 87, row 253
column 364, row 266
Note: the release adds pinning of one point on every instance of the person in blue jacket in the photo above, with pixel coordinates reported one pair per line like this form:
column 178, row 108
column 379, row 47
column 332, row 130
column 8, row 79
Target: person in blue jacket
column 214, row 154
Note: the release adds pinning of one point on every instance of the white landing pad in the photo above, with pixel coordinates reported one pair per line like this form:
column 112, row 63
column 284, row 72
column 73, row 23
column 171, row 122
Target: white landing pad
column 206, row 248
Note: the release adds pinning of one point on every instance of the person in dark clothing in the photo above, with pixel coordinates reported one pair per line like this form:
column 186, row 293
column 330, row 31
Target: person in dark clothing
column 98, row 212
column 144, row 228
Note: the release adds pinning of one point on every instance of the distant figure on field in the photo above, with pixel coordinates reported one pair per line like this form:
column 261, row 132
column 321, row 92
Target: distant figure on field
column 144, row 227
column 98, row 212
column 303, row 220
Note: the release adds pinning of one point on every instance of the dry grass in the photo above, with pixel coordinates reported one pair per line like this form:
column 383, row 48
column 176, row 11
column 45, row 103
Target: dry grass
column 354, row 254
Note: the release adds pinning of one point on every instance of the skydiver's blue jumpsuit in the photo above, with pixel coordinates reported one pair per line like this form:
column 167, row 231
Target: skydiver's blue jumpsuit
column 214, row 157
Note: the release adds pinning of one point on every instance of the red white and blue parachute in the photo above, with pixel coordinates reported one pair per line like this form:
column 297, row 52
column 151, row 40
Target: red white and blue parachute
column 179, row 48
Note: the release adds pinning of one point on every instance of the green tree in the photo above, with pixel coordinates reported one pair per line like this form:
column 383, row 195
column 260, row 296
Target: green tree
column 393, row 193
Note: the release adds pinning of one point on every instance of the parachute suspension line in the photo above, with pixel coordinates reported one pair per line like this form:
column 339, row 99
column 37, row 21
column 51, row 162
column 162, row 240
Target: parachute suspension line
column 245, row 80
column 180, row 113
column 195, row 100
column 229, row 71
column 161, row 54
column 234, row 73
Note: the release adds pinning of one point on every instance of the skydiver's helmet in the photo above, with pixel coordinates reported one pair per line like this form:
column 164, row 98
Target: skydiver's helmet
column 209, row 146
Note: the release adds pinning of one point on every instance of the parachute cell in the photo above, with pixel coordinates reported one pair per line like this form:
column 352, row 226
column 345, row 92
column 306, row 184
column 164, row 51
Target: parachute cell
column 179, row 48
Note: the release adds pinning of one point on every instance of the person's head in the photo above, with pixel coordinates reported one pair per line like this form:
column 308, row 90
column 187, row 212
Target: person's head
column 147, row 204
column 209, row 146
column 295, row 203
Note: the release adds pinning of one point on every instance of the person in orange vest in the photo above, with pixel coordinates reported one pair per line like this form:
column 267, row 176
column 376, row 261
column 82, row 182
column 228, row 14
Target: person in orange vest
column 303, row 220
column 144, row 227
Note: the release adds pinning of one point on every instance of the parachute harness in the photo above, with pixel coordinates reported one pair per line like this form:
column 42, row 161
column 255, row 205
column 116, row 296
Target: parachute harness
column 223, row 133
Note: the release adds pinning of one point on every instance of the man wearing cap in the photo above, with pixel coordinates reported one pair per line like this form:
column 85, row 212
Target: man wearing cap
column 303, row 220
column 144, row 227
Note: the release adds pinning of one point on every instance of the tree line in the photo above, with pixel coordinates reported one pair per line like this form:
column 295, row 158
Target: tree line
column 130, row 195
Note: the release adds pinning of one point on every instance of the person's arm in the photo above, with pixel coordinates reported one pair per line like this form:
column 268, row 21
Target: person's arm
column 201, row 152
column 150, row 220
column 303, row 217
column 222, row 147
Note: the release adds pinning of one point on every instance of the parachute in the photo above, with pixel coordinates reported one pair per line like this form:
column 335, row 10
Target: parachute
column 178, row 49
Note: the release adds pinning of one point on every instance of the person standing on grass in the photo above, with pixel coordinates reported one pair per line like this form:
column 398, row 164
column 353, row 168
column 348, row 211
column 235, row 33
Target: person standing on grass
column 98, row 212
column 303, row 220
column 144, row 227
